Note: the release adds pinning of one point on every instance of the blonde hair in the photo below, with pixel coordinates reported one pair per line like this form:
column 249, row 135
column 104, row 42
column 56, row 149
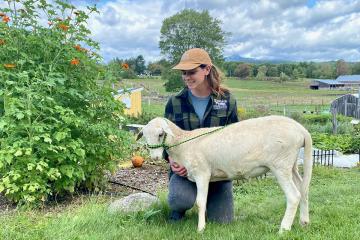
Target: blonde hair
column 214, row 79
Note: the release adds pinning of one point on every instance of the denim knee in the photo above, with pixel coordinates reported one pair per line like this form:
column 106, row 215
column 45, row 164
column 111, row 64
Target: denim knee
column 182, row 193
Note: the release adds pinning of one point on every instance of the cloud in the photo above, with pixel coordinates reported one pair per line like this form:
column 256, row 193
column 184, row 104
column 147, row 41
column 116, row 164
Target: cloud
column 284, row 29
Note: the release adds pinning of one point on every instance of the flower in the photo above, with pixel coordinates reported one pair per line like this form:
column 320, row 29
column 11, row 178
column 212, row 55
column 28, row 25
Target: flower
column 74, row 61
column 63, row 27
column 9, row 65
column 125, row 66
column 50, row 23
column 80, row 49
column 6, row 19
column 2, row 41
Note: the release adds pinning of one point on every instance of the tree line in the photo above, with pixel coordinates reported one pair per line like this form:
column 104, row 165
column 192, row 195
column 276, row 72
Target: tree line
column 192, row 29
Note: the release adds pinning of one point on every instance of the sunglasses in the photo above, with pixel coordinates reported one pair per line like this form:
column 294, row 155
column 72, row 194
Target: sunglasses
column 193, row 71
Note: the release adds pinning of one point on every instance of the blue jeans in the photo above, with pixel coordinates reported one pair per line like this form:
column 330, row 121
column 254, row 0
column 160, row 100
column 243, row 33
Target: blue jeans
column 220, row 203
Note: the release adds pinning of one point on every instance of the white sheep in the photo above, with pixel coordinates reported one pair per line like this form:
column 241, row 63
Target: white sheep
column 241, row 150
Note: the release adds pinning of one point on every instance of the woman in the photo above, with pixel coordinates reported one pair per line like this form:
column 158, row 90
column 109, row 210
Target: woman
column 202, row 103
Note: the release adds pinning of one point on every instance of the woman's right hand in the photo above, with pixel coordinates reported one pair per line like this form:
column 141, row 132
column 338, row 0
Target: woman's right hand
column 177, row 169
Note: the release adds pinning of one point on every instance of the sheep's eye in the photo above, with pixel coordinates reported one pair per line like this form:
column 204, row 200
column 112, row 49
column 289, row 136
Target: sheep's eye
column 161, row 135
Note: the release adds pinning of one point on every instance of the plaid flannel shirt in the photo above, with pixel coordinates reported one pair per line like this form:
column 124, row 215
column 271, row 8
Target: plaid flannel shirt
column 220, row 111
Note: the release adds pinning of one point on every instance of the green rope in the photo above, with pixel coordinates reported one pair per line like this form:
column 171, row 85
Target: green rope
column 166, row 147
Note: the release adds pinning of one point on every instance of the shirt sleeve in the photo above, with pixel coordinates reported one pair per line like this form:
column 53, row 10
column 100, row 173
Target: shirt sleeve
column 233, row 115
column 169, row 110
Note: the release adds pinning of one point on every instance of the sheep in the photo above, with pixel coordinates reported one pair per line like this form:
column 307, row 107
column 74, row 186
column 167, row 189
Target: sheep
column 241, row 150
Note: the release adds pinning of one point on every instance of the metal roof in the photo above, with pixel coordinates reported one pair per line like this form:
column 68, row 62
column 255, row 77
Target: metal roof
column 345, row 78
column 328, row 81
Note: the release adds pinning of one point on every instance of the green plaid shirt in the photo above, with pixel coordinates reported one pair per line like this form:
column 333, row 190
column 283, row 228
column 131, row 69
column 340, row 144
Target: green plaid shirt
column 220, row 111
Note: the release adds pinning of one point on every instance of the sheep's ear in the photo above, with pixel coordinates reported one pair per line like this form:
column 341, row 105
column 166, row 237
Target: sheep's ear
column 167, row 129
column 140, row 134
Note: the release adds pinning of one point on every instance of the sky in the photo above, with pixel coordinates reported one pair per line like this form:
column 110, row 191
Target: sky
column 293, row 30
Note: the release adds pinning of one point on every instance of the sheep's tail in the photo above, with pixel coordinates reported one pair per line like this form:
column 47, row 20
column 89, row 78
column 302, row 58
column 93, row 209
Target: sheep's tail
column 308, row 162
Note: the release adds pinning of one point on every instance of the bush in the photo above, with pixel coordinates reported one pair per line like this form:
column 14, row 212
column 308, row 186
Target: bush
column 173, row 80
column 58, row 130
column 344, row 143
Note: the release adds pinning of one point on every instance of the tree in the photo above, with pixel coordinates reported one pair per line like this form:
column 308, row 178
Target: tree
column 229, row 68
column 283, row 77
column 272, row 70
column 140, row 65
column 243, row 70
column 341, row 68
column 190, row 29
column 261, row 75
column 356, row 68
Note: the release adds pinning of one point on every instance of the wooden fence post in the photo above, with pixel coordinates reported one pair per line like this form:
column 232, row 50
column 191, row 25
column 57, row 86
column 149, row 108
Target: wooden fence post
column 334, row 120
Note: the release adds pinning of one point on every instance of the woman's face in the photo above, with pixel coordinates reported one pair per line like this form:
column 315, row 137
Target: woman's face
column 195, row 78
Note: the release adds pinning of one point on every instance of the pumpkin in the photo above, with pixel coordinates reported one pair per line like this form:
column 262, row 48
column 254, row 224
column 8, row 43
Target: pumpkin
column 137, row 161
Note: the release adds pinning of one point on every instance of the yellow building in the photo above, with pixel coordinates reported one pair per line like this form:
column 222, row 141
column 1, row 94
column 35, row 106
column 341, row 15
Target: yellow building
column 131, row 97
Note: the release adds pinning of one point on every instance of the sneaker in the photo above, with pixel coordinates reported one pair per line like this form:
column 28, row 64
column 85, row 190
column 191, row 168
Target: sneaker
column 176, row 216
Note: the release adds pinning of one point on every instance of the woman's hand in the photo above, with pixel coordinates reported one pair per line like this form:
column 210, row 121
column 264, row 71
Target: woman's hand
column 177, row 169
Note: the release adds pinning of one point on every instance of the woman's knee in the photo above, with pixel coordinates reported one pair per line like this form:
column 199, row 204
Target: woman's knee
column 182, row 193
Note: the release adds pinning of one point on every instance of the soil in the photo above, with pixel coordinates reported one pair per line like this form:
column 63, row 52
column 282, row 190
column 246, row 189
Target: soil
column 150, row 178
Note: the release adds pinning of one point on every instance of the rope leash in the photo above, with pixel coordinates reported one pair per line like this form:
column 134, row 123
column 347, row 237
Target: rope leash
column 166, row 147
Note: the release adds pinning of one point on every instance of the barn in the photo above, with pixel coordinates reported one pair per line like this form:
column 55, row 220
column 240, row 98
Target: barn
column 341, row 82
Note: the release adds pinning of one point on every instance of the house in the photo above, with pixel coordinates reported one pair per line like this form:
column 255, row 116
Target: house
column 131, row 97
column 341, row 82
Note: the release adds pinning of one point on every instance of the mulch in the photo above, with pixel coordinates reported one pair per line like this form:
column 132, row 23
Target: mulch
column 150, row 178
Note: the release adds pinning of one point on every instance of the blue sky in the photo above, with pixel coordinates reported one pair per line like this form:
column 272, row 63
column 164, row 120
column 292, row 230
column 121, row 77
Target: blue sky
column 296, row 30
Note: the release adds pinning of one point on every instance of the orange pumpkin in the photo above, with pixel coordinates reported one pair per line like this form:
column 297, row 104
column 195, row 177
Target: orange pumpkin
column 137, row 161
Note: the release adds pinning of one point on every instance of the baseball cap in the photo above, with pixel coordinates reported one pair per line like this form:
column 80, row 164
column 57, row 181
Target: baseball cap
column 193, row 58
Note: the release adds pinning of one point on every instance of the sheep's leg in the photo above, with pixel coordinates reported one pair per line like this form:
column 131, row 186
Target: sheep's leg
column 202, row 184
column 292, row 194
column 304, row 200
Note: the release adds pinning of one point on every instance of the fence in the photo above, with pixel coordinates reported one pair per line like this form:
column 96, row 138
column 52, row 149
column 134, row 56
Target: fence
column 323, row 157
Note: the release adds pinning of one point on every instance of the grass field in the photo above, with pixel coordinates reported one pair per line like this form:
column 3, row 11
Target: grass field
column 252, row 95
column 259, row 206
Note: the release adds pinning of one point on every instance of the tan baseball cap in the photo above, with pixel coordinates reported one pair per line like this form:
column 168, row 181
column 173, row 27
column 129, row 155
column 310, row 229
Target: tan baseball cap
column 193, row 58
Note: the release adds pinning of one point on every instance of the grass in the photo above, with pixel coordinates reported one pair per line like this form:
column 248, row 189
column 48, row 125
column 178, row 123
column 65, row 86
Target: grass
column 259, row 206
column 274, row 97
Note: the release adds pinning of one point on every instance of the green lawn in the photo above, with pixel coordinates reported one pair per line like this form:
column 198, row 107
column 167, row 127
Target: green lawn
column 252, row 95
column 334, row 214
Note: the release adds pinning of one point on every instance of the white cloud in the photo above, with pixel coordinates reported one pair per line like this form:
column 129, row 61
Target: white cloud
column 282, row 29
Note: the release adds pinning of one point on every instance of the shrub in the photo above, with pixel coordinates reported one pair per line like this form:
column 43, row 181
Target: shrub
column 58, row 130
column 173, row 80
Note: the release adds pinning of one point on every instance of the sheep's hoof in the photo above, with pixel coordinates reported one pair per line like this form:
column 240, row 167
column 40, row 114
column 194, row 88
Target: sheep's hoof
column 304, row 223
column 282, row 230
column 201, row 229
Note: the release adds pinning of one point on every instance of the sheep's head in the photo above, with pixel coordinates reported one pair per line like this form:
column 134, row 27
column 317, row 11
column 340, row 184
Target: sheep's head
column 154, row 133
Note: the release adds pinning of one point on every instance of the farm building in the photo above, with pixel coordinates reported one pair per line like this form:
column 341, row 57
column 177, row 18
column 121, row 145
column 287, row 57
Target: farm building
column 347, row 105
column 341, row 82
column 131, row 97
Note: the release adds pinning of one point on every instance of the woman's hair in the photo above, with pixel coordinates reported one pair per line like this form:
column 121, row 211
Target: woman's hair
column 214, row 79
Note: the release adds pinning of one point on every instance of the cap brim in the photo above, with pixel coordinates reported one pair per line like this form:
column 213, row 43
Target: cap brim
column 186, row 66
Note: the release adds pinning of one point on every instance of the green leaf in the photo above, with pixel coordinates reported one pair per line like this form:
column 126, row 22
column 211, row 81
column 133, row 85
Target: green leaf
column 47, row 139
column 20, row 115
column 60, row 136
column 2, row 124
column 80, row 152
column 18, row 153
